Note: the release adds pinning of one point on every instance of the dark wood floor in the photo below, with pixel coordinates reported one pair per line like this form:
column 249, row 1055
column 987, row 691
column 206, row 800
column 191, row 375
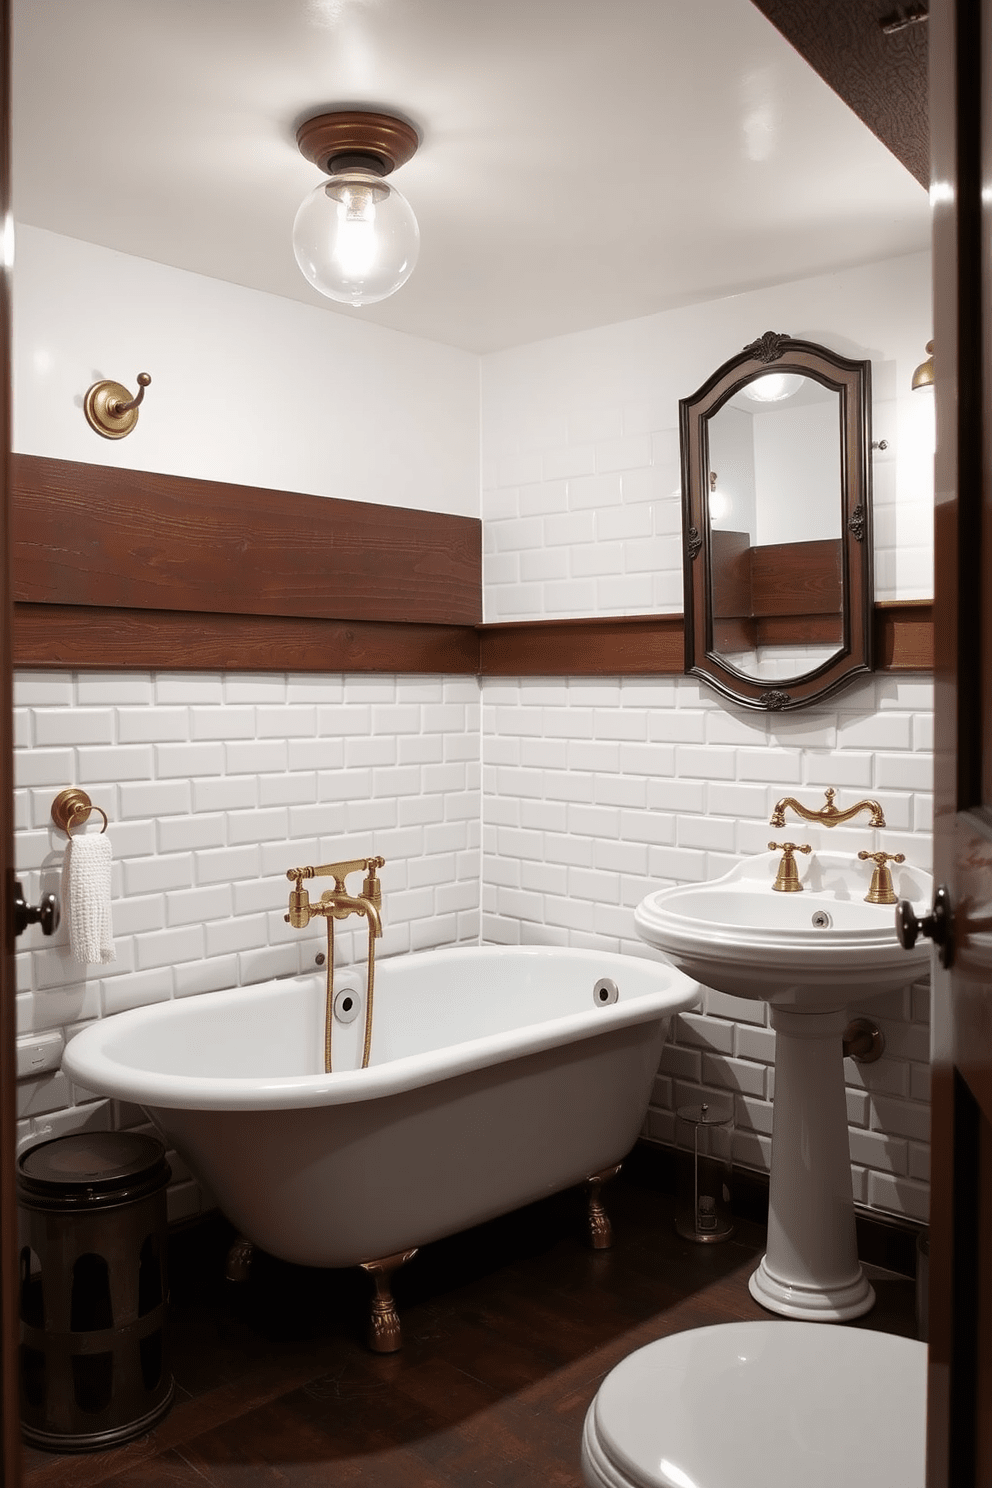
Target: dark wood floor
column 509, row 1330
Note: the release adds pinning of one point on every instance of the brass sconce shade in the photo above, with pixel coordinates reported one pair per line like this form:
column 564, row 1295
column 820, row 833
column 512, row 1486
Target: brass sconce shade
column 355, row 236
column 923, row 376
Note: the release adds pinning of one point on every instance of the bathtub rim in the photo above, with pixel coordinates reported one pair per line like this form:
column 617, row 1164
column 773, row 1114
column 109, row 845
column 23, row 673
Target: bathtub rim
column 88, row 1065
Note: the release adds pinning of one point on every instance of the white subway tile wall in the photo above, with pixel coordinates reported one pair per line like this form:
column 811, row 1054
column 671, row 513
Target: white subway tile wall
column 214, row 786
column 597, row 791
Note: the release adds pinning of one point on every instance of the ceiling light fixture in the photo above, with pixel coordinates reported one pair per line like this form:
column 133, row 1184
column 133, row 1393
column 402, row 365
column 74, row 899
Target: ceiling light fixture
column 355, row 236
column 923, row 376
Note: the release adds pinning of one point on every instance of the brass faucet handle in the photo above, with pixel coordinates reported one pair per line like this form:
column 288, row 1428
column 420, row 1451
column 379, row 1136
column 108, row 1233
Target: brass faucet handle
column 371, row 887
column 787, row 878
column 299, row 908
column 881, row 890
column 338, row 871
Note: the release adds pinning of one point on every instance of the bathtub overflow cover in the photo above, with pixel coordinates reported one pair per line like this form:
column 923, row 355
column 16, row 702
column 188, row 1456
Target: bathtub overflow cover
column 821, row 920
column 347, row 1005
column 605, row 992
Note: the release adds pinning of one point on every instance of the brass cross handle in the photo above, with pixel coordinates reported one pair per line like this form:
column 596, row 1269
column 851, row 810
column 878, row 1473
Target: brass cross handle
column 787, row 878
column 881, row 890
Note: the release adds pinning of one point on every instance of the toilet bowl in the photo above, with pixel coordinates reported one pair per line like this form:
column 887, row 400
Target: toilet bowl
column 762, row 1405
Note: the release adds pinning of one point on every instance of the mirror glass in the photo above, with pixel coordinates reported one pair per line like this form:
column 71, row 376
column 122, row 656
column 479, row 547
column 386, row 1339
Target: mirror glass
column 776, row 492
column 773, row 504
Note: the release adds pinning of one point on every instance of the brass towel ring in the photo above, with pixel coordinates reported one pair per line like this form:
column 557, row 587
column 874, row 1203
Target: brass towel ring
column 72, row 807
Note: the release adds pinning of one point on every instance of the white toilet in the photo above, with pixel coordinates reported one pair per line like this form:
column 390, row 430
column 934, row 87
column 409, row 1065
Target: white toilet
column 762, row 1405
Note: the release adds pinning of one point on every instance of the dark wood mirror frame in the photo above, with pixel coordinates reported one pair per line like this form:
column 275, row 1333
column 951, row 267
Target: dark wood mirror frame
column 797, row 569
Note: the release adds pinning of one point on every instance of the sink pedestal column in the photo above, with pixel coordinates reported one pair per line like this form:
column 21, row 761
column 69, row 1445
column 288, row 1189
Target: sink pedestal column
column 810, row 1269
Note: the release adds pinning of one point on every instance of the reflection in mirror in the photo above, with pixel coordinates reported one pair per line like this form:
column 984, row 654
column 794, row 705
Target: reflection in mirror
column 774, row 510
column 777, row 523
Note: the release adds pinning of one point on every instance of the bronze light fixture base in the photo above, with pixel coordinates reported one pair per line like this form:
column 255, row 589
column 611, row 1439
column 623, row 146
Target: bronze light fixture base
column 355, row 138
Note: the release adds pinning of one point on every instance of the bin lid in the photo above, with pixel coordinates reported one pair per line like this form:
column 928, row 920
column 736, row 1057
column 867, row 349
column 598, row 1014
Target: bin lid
column 92, row 1166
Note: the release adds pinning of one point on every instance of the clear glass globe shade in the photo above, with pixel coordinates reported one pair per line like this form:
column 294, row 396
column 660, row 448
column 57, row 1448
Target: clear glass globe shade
column 355, row 238
column 773, row 387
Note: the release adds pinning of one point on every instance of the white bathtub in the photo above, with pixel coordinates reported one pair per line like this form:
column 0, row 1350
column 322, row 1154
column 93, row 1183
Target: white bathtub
column 495, row 1079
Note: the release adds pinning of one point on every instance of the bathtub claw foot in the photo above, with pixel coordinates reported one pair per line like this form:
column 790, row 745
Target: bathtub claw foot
column 239, row 1259
column 600, row 1229
column 385, row 1333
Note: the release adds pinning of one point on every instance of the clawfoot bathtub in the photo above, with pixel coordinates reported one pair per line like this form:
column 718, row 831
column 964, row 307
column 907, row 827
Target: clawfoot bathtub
column 498, row 1075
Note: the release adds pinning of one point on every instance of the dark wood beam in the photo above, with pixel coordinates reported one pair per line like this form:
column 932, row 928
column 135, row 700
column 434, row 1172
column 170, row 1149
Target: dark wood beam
column 882, row 74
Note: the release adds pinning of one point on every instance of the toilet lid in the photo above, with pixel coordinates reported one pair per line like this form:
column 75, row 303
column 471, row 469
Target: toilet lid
column 763, row 1405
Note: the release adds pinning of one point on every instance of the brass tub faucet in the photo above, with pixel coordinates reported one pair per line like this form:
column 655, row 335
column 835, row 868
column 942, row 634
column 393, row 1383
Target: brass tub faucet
column 828, row 815
column 338, row 904
column 787, row 878
column 881, row 890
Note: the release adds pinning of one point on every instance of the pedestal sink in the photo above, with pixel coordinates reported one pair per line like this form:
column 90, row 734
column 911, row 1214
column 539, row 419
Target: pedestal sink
column 808, row 955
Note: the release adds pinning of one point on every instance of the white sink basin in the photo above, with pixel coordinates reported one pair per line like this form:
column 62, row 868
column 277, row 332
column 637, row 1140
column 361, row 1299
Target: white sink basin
column 808, row 955
column 819, row 949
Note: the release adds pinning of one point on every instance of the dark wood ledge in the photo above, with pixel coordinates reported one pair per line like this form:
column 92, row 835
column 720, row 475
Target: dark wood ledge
column 81, row 638
column 624, row 645
column 904, row 635
column 652, row 645
column 93, row 637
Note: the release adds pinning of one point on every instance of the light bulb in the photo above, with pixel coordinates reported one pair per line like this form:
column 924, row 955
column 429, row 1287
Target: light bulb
column 355, row 244
column 355, row 238
column 772, row 387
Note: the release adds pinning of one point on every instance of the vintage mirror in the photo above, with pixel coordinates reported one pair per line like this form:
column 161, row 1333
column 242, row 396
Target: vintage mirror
column 776, row 495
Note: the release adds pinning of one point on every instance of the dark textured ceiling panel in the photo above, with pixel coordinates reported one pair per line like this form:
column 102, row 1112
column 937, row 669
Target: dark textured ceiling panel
column 881, row 74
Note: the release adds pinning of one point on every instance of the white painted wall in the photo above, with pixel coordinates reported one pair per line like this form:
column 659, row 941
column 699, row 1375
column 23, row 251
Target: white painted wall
column 246, row 387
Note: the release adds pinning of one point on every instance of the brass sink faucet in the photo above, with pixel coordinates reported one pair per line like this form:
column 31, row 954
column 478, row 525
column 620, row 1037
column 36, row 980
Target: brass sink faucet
column 338, row 904
column 828, row 815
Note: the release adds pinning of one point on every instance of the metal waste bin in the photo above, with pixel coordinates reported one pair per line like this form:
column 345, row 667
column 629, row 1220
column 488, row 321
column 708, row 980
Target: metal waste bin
column 93, row 1295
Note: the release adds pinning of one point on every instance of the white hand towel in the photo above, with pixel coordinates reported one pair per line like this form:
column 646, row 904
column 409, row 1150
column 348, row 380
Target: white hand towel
column 86, row 897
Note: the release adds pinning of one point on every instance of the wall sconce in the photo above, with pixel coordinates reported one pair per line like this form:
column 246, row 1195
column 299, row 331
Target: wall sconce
column 923, row 376
column 355, row 236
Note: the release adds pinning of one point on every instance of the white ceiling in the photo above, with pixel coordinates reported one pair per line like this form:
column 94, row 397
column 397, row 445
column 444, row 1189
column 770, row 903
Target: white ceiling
column 583, row 161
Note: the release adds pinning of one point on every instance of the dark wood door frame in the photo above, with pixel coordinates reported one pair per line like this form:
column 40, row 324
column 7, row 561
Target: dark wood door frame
column 10, row 1435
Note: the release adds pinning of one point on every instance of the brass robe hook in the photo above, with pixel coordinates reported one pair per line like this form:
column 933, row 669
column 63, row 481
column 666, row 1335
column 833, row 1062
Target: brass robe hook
column 110, row 410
